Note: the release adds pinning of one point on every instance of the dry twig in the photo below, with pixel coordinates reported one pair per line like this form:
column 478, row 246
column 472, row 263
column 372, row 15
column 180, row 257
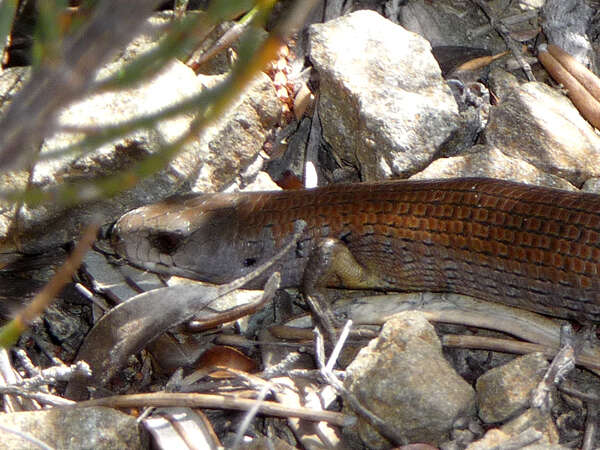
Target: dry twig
column 211, row 401
column 591, row 427
column 379, row 424
column 511, row 346
column 501, row 29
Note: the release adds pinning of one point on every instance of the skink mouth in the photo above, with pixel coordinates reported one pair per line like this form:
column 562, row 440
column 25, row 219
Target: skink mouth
column 164, row 269
column 108, row 231
column 117, row 242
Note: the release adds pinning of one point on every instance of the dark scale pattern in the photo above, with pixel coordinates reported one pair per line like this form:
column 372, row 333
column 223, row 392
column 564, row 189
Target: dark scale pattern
column 532, row 247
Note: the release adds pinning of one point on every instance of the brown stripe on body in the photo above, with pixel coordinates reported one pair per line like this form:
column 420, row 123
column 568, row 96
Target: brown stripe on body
column 526, row 246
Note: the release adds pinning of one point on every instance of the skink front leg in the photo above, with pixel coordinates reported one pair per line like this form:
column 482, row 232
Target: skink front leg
column 332, row 264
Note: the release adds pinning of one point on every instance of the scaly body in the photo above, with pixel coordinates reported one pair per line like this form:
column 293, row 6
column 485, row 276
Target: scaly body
column 531, row 247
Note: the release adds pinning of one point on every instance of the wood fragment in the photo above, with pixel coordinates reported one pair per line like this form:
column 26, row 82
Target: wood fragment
column 585, row 76
column 583, row 100
column 211, row 401
column 511, row 346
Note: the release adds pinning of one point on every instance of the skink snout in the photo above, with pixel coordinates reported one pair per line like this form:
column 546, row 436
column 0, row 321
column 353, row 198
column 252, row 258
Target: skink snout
column 117, row 241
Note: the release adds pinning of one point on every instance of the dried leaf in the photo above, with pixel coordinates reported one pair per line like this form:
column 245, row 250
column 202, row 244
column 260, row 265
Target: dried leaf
column 226, row 357
column 449, row 57
column 129, row 327
column 478, row 63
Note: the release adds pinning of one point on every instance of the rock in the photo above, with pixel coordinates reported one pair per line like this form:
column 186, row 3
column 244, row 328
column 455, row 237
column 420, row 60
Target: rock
column 538, row 124
column 530, row 421
column 11, row 81
column 532, row 418
column 592, row 185
column 234, row 142
column 492, row 438
column 505, row 390
column 488, row 161
column 117, row 282
column 566, row 24
column 293, row 154
column 402, row 377
column 73, row 428
column 441, row 23
column 384, row 106
column 473, row 100
column 503, row 83
column 64, row 329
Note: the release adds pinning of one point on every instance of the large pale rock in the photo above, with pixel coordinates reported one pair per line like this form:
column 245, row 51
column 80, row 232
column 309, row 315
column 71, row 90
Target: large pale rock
column 383, row 104
column 402, row 377
column 489, row 162
column 540, row 125
column 73, row 428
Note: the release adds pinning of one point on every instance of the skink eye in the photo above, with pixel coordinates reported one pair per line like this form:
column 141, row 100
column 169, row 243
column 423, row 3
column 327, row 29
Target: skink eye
column 166, row 243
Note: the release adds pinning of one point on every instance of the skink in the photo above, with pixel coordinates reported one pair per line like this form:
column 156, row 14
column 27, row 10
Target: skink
column 531, row 247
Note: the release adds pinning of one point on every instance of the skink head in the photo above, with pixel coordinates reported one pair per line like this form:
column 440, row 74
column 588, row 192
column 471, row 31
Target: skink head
column 196, row 237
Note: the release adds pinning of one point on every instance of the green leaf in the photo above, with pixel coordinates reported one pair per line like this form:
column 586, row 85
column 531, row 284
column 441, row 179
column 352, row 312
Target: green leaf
column 9, row 333
column 48, row 34
column 227, row 9
column 8, row 9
